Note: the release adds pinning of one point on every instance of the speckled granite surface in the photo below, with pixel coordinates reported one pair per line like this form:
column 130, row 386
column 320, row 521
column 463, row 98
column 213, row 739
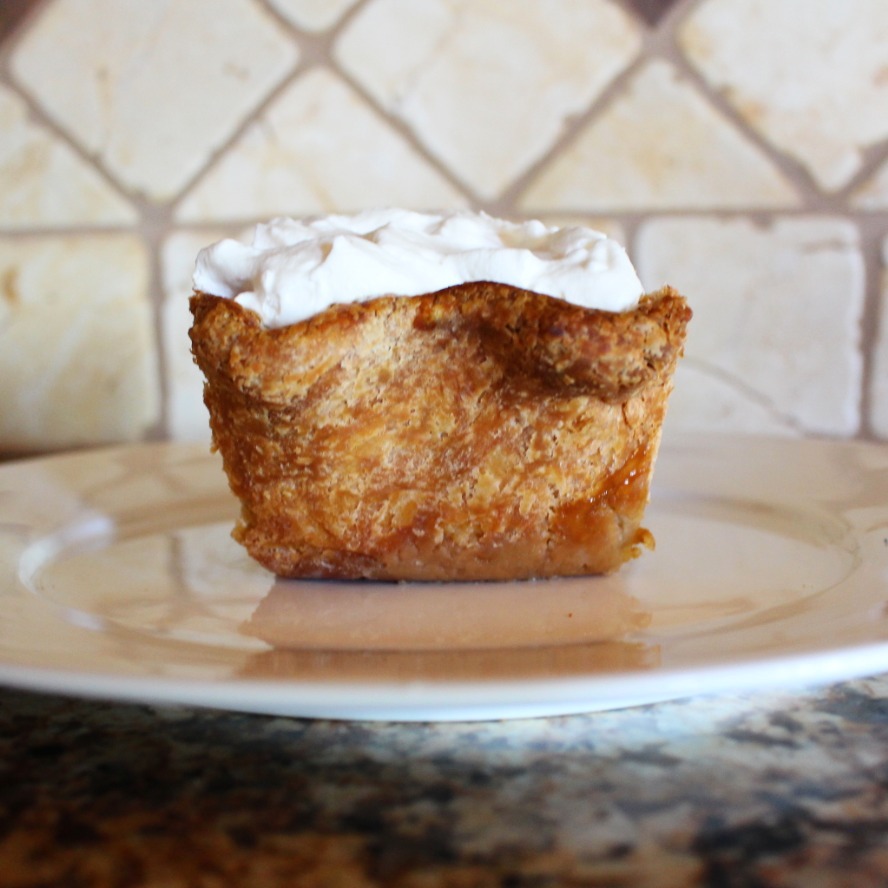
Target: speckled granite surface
column 781, row 789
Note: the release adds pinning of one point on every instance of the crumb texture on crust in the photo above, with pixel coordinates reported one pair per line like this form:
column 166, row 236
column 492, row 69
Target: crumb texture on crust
column 481, row 432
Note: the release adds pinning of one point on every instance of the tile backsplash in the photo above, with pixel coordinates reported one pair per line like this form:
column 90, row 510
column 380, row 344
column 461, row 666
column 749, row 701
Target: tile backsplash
column 739, row 148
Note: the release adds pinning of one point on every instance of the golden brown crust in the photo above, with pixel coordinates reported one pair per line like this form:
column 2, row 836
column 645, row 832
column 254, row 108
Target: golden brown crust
column 482, row 432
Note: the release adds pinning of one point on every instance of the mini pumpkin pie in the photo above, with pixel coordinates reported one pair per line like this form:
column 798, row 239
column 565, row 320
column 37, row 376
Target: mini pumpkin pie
column 405, row 396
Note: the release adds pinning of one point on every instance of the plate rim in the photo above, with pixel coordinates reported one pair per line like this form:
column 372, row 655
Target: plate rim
column 457, row 699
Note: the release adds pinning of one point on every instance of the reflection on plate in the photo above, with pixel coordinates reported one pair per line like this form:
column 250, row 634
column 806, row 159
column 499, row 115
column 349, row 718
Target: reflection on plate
column 119, row 579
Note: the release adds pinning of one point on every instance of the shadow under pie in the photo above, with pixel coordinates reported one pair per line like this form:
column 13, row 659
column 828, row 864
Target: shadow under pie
column 450, row 631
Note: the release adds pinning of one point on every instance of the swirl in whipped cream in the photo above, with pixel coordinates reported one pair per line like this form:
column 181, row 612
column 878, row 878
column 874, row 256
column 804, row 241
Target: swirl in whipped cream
column 296, row 269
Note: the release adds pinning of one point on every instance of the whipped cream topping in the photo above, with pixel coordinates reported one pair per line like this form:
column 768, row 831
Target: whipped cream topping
column 296, row 269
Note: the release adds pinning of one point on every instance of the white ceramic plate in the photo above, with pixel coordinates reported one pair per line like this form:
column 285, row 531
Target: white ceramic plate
column 118, row 580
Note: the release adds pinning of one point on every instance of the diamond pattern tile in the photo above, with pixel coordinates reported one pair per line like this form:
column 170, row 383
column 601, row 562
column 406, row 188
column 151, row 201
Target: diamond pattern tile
column 77, row 352
column 487, row 86
column 152, row 89
column 817, row 89
column 227, row 111
column 318, row 148
column 313, row 15
column 660, row 144
column 43, row 183
column 777, row 309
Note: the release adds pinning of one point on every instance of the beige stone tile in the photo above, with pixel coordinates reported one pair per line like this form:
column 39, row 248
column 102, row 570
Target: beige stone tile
column 774, row 343
column 313, row 15
column 706, row 400
column 43, row 183
column 77, row 345
column 660, row 144
column 879, row 390
column 152, row 89
column 809, row 75
column 187, row 418
column 317, row 148
column 486, row 85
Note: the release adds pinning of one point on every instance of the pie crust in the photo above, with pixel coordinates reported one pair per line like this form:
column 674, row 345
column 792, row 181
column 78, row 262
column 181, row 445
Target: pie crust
column 482, row 432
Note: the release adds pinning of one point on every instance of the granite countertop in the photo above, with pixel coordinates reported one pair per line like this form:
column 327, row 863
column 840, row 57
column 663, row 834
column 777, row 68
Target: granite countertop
column 742, row 790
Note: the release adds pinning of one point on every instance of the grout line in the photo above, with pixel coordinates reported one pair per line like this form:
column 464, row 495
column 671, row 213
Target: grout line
column 314, row 50
column 393, row 121
column 236, row 134
column 404, row 132
column 656, row 43
column 36, row 114
column 154, row 230
column 793, row 170
column 16, row 16
column 872, row 237
column 873, row 159
column 574, row 126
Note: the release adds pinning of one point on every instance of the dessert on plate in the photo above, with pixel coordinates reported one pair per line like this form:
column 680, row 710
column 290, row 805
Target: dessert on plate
column 412, row 396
